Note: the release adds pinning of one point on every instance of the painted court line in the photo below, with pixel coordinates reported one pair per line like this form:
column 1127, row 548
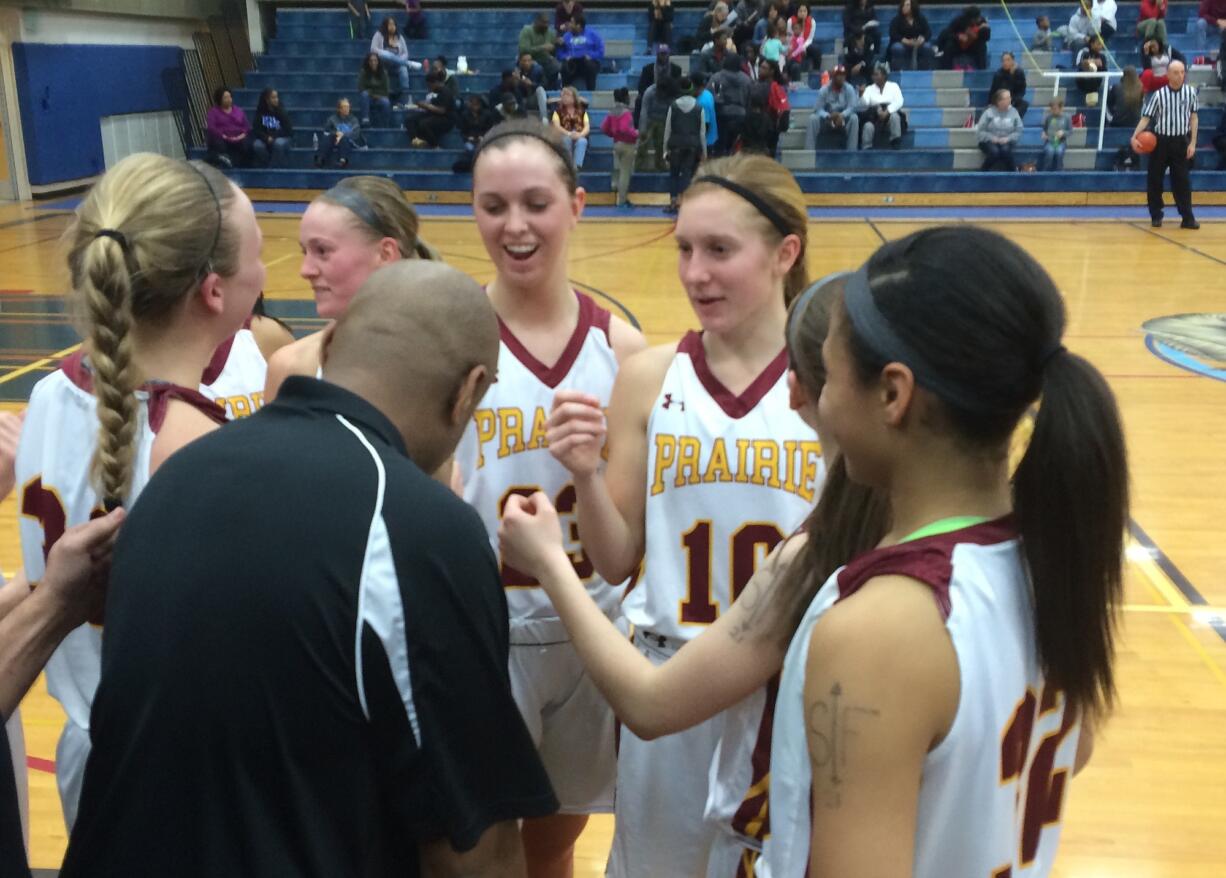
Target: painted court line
column 38, row 364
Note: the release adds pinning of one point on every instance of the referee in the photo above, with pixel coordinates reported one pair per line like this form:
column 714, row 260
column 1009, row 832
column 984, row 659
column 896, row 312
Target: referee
column 1173, row 111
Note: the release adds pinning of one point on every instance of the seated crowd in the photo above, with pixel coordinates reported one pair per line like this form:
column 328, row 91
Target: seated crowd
column 745, row 58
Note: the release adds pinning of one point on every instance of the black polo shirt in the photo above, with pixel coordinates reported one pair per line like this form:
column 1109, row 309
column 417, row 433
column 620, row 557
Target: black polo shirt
column 304, row 666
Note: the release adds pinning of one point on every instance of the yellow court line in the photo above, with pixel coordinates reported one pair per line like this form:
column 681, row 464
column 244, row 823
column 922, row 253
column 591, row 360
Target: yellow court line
column 1160, row 582
column 1213, row 666
column 38, row 364
column 1189, row 610
column 279, row 260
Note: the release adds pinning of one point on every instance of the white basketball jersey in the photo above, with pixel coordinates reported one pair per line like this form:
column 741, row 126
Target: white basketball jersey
column 739, row 781
column 503, row 451
column 727, row 478
column 993, row 790
column 58, row 439
column 235, row 377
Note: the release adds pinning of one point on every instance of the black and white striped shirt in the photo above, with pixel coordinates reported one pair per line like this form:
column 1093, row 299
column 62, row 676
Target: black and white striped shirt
column 1172, row 110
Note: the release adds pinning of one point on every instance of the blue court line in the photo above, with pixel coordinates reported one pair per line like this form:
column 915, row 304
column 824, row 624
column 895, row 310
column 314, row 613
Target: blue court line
column 1174, row 574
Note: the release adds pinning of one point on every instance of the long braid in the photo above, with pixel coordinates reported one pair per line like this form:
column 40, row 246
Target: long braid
column 106, row 291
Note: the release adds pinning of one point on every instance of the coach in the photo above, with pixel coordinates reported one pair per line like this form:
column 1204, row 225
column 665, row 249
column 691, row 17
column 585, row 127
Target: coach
column 1173, row 111
column 305, row 663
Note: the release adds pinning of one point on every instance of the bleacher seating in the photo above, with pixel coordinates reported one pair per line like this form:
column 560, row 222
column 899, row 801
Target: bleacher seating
column 312, row 60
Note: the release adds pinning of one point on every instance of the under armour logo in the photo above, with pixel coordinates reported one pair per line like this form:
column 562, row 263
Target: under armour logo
column 668, row 401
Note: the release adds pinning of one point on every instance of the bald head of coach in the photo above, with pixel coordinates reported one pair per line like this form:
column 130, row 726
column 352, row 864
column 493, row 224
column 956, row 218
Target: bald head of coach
column 305, row 655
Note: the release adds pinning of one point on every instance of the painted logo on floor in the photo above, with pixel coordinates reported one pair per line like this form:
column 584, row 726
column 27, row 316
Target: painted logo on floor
column 1195, row 342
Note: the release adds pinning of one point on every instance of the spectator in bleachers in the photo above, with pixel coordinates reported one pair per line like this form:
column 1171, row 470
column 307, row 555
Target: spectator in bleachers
column 433, row 116
column 757, row 132
column 581, row 54
column 618, row 126
column 1056, row 127
column 881, row 110
column 857, row 61
column 1152, row 22
column 999, row 129
column 1124, row 103
column 1102, row 17
column 771, row 87
column 731, row 89
column 373, row 92
column 1041, row 41
column 651, row 74
column 1079, row 30
column 414, row 20
column 393, row 51
column 1219, row 142
column 565, row 14
column 774, row 48
column 964, row 43
column 860, row 16
column 1012, row 78
column 359, row 18
column 1091, row 59
column 342, row 135
column 702, row 93
column 227, row 131
column 685, row 141
column 1156, row 57
column 272, row 134
column 572, row 120
column 529, row 80
column 765, row 28
column 745, row 16
column 749, row 61
column 911, row 39
column 803, row 51
column 1211, row 22
column 541, row 42
column 658, row 97
column 439, row 65
column 660, row 23
column 476, row 119
column 710, row 23
column 711, row 58
column 836, row 112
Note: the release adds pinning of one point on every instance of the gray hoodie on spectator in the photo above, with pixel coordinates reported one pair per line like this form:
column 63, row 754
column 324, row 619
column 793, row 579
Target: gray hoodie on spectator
column 995, row 124
column 731, row 90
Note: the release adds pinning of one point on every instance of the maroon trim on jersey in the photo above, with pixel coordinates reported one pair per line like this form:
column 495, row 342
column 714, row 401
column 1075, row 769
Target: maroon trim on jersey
column 930, row 559
column 590, row 314
column 160, row 393
column 756, row 804
column 734, row 406
column 217, row 365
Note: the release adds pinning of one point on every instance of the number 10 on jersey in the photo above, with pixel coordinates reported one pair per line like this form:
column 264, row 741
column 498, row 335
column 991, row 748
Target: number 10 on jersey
column 751, row 541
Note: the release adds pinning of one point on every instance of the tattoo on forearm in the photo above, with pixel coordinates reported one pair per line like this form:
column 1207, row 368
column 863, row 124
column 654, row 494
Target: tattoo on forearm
column 753, row 606
column 833, row 722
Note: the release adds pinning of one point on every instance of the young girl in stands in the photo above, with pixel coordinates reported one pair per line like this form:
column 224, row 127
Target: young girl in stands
column 938, row 694
column 165, row 264
column 346, row 233
column 619, row 125
column 743, row 642
column 709, row 467
column 527, row 202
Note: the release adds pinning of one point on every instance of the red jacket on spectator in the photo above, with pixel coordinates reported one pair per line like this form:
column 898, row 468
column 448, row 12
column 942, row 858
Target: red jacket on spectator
column 1152, row 9
column 1212, row 10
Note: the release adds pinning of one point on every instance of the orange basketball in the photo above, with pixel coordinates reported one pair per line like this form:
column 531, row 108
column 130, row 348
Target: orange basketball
column 1147, row 140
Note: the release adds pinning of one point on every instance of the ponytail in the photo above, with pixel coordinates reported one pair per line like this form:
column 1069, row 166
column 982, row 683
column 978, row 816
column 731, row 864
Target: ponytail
column 1070, row 501
column 106, row 289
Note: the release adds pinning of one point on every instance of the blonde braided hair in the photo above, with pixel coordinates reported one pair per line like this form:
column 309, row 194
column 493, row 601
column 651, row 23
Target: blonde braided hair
column 146, row 235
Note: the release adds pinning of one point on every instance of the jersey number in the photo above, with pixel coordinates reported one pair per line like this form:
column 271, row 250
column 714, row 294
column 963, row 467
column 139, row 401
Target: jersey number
column 699, row 607
column 1045, row 785
column 564, row 503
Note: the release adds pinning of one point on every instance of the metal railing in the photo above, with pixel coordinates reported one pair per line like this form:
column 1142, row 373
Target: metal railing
column 1104, row 75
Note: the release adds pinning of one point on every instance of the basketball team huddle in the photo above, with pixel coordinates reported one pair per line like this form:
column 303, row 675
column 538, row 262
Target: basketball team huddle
column 779, row 597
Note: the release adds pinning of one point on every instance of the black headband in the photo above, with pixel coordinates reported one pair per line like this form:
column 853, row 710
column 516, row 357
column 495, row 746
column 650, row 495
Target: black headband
column 208, row 260
column 116, row 236
column 554, row 147
column 763, row 207
column 796, row 312
column 357, row 204
column 875, row 331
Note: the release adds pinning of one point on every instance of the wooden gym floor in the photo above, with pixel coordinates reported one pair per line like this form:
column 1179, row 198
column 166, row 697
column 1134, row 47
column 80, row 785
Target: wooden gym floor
column 1153, row 800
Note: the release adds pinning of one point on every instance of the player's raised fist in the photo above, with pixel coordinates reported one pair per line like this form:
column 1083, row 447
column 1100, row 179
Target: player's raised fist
column 576, row 431
column 529, row 533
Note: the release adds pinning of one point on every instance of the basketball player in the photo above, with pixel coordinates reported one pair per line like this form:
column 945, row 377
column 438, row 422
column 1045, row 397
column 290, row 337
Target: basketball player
column 527, row 201
column 709, row 467
column 165, row 263
column 744, row 643
column 934, row 700
column 236, row 375
column 346, row 233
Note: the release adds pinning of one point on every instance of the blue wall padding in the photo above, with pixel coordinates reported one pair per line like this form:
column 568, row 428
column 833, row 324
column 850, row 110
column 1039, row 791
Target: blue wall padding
column 64, row 90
